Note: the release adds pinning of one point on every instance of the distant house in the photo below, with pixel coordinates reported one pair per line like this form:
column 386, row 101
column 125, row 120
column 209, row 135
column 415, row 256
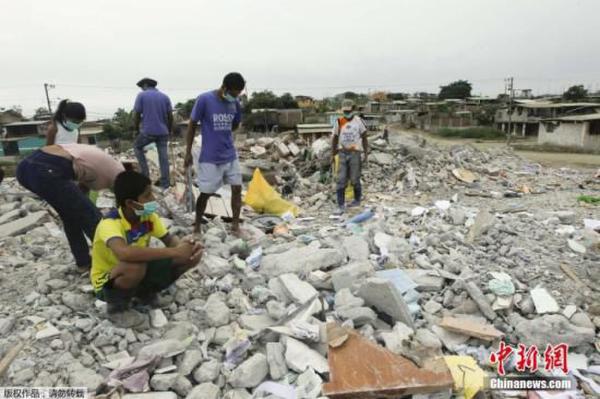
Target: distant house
column 23, row 135
column 10, row 116
column 579, row 131
column 526, row 114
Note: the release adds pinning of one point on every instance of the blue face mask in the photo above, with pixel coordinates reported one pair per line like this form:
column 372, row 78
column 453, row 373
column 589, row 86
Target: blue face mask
column 348, row 115
column 228, row 97
column 149, row 209
column 70, row 125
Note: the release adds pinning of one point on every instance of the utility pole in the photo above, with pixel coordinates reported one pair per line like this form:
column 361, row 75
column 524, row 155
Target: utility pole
column 511, row 93
column 46, row 87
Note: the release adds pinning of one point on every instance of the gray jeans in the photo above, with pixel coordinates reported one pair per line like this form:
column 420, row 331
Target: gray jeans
column 350, row 167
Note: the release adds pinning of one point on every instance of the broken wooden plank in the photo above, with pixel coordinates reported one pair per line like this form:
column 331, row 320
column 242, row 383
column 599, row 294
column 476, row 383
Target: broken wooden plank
column 10, row 356
column 471, row 327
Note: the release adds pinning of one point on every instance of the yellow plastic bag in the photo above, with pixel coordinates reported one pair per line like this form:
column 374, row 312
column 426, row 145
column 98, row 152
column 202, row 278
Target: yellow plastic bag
column 468, row 376
column 349, row 193
column 264, row 199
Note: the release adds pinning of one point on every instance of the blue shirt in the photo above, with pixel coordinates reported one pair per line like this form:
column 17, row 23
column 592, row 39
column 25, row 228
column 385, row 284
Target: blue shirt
column 216, row 117
column 154, row 107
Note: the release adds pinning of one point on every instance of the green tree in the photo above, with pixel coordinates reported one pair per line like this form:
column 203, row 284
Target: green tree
column 121, row 125
column 268, row 99
column 287, row 101
column 397, row 96
column 575, row 93
column 41, row 111
column 184, row 109
column 458, row 89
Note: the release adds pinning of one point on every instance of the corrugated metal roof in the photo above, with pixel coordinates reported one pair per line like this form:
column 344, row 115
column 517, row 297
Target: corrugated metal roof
column 25, row 123
column 547, row 104
column 577, row 118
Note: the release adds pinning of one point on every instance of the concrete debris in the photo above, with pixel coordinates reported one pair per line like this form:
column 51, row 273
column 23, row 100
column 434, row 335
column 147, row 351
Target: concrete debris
column 451, row 256
column 277, row 366
column 384, row 296
column 250, row 373
column 543, row 301
column 22, row 225
column 300, row 357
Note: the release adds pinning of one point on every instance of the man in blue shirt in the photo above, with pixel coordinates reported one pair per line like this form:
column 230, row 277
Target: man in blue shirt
column 219, row 114
column 154, row 110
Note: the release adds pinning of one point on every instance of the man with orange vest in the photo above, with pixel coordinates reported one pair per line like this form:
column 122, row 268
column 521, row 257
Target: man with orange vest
column 349, row 140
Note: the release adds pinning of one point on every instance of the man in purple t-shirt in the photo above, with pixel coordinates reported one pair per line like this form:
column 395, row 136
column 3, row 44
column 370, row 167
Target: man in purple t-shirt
column 219, row 114
column 153, row 109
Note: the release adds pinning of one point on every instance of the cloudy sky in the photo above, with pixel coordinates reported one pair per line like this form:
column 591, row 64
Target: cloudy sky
column 94, row 52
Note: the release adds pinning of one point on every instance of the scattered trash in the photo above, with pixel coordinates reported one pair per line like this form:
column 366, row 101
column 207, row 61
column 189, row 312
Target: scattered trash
column 468, row 377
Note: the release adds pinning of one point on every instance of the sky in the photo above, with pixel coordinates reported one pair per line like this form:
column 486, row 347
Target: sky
column 95, row 51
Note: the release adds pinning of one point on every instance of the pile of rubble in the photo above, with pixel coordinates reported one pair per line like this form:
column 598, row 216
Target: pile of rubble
column 458, row 250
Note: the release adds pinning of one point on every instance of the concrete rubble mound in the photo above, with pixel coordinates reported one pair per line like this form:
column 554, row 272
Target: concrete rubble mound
column 453, row 258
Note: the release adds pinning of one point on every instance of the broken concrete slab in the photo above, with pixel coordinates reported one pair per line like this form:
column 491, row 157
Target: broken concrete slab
column 384, row 296
column 543, row 301
column 356, row 247
column 394, row 340
column 471, row 327
column 449, row 339
column 299, row 357
column 425, row 281
column 10, row 216
column 301, row 260
column 277, row 366
column 483, row 222
column 297, row 290
column 164, row 348
column 204, row 391
column 381, row 158
column 157, row 318
column 22, row 225
column 359, row 315
column 568, row 312
column 345, row 276
column 550, row 329
column 482, row 302
column 250, row 373
column 361, row 368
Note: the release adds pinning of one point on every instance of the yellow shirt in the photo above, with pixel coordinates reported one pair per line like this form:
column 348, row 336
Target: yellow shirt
column 115, row 225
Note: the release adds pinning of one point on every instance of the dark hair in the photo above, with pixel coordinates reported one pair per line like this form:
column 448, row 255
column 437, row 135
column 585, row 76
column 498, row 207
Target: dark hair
column 129, row 185
column 69, row 110
column 234, row 81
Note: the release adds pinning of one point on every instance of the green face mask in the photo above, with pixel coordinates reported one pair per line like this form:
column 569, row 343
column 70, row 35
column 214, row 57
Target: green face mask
column 149, row 209
column 228, row 97
column 348, row 115
column 71, row 126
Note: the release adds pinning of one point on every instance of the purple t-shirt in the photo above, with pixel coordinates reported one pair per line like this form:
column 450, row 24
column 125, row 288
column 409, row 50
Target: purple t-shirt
column 216, row 118
column 154, row 107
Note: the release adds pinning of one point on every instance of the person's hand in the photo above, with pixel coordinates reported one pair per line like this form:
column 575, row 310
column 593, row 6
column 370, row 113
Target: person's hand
column 184, row 252
column 197, row 252
column 187, row 160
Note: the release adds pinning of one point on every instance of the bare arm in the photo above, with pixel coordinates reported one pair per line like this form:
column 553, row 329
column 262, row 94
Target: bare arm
column 51, row 133
column 170, row 241
column 189, row 140
column 129, row 253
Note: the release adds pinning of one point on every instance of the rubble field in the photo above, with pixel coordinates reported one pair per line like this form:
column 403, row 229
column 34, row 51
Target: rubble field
column 454, row 250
